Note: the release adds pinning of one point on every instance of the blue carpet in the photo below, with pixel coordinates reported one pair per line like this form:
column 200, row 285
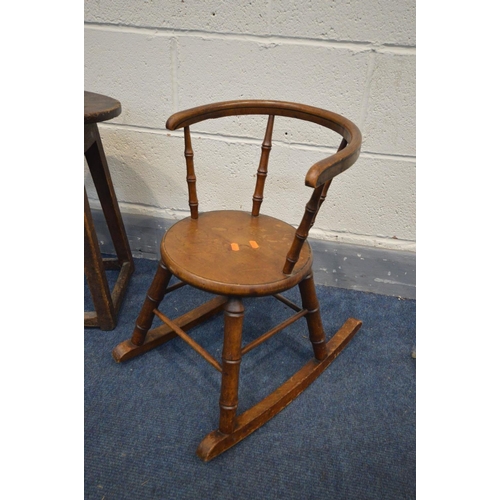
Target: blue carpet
column 350, row 435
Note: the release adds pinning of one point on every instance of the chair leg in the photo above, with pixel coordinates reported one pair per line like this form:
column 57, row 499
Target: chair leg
column 231, row 360
column 217, row 442
column 154, row 296
column 313, row 317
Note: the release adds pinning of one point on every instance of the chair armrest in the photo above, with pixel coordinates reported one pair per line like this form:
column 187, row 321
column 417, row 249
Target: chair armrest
column 321, row 171
column 326, row 169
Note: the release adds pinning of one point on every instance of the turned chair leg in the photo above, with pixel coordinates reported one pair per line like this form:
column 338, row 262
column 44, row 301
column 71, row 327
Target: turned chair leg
column 154, row 296
column 231, row 360
column 313, row 317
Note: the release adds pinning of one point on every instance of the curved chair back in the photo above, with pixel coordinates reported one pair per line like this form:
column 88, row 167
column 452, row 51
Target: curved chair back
column 319, row 176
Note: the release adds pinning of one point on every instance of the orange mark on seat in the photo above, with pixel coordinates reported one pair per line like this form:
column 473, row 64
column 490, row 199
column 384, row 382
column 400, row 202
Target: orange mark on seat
column 253, row 244
column 235, row 247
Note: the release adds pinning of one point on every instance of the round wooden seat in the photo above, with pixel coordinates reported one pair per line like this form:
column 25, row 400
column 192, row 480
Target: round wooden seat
column 234, row 253
column 99, row 108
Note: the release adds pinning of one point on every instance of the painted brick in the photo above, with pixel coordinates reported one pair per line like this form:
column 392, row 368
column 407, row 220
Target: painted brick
column 374, row 197
column 318, row 76
column 133, row 68
column 390, row 123
column 221, row 16
column 146, row 168
column 378, row 21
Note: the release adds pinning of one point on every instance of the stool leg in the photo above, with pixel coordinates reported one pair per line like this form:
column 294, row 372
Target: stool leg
column 98, row 166
column 231, row 360
column 154, row 296
column 313, row 317
column 96, row 276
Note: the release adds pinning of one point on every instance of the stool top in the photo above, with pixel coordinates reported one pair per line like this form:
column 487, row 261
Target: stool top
column 99, row 108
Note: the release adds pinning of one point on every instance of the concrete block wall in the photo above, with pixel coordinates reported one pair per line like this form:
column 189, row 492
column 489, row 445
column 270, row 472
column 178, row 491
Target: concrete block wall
column 356, row 58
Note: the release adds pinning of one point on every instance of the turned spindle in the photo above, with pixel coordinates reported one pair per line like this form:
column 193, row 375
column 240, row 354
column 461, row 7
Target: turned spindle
column 310, row 212
column 191, row 177
column 262, row 170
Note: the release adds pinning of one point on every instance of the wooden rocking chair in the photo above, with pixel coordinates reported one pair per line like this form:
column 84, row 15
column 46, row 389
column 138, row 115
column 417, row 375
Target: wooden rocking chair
column 259, row 255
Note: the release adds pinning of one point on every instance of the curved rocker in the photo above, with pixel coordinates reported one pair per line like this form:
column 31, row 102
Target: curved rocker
column 216, row 442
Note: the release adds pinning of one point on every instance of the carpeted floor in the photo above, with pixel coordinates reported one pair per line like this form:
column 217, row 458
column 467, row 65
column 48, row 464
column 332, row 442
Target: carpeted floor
column 350, row 435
